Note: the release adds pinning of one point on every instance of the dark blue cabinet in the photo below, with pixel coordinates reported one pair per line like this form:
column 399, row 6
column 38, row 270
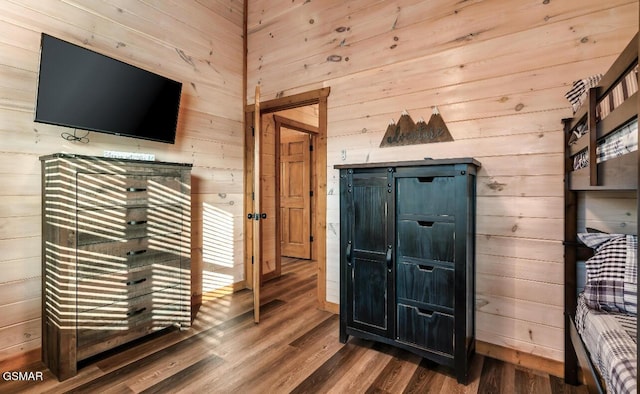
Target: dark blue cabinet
column 407, row 257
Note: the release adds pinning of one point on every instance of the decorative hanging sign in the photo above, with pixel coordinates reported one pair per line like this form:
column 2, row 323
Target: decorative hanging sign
column 406, row 132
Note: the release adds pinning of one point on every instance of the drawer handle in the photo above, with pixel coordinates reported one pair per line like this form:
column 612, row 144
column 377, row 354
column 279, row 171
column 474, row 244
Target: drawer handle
column 136, row 189
column 136, row 252
column 422, row 312
column 136, row 282
column 423, row 223
column 426, row 179
column 427, row 268
column 136, row 312
column 136, row 222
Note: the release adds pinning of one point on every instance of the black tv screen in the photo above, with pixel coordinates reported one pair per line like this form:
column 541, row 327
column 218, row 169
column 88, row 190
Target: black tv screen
column 83, row 89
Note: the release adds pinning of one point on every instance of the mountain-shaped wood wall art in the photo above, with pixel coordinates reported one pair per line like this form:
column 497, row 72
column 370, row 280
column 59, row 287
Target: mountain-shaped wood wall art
column 406, row 132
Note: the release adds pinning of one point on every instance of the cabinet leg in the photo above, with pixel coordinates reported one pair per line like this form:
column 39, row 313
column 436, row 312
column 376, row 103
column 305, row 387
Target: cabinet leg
column 344, row 337
column 462, row 375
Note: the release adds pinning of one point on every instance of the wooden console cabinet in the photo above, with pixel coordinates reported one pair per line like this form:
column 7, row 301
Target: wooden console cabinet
column 115, row 254
column 407, row 260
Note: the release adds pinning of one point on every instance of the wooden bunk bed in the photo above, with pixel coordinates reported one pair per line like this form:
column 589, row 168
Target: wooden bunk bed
column 599, row 155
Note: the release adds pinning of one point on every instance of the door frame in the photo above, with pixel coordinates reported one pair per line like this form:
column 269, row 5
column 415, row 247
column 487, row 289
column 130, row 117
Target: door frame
column 319, row 174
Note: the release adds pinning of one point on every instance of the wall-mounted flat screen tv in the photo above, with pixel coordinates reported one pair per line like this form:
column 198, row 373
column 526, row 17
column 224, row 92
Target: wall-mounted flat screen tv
column 83, row 89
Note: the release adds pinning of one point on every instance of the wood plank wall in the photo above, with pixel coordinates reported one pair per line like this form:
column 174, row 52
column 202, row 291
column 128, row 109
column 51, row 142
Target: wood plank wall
column 197, row 42
column 497, row 71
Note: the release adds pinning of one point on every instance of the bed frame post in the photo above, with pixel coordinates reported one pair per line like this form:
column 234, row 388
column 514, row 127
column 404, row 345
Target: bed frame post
column 593, row 141
column 570, row 241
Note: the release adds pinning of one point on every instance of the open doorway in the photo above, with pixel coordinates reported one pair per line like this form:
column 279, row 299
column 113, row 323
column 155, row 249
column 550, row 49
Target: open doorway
column 302, row 113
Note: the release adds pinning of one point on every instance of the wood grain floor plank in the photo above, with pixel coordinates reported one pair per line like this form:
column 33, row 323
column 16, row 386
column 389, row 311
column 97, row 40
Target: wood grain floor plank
column 491, row 378
column 529, row 382
column 396, row 374
column 452, row 386
column 508, row 378
column 257, row 345
column 334, row 369
column 286, row 370
column 422, row 378
column 179, row 381
column 317, row 332
column 364, row 373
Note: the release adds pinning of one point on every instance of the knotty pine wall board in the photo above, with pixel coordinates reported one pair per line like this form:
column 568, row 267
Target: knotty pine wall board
column 535, row 334
column 544, row 250
column 203, row 126
column 532, row 311
column 17, row 333
column 15, row 270
column 232, row 10
column 522, row 268
column 28, row 309
column 18, row 290
column 608, row 211
column 534, row 207
column 534, row 337
column 22, row 226
column 521, row 289
column 523, row 164
column 536, row 228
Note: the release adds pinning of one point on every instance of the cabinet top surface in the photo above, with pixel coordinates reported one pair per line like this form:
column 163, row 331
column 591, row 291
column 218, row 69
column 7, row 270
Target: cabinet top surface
column 412, row 163
column 110, row 159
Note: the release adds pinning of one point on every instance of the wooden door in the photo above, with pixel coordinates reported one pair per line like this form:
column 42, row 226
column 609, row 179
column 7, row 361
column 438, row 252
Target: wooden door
column 368, row 202
column 295, row 194
column 270, row 242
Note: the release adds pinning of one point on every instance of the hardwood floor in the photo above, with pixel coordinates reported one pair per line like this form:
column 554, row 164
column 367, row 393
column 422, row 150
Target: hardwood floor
column 294, row 349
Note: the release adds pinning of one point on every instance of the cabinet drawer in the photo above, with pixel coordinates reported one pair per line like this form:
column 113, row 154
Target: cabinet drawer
column 120, row 257
column 425, row 329
column 428, row 284
column 431, row 196
column 106, row 327
column 426, row 240
column 100, row 290
column 100, row 225
column 104, row 190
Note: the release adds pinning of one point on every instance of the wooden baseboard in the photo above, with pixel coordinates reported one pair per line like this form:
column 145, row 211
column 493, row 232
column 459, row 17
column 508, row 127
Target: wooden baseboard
column 552, row 367
column 331, row 307
column 220, row 292
column 20, row 361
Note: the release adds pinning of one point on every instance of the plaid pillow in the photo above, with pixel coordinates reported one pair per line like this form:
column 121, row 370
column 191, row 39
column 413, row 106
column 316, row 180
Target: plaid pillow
column 612, row 272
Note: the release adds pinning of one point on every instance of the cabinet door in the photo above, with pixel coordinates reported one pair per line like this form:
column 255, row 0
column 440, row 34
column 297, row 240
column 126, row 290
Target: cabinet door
column 368, row 254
